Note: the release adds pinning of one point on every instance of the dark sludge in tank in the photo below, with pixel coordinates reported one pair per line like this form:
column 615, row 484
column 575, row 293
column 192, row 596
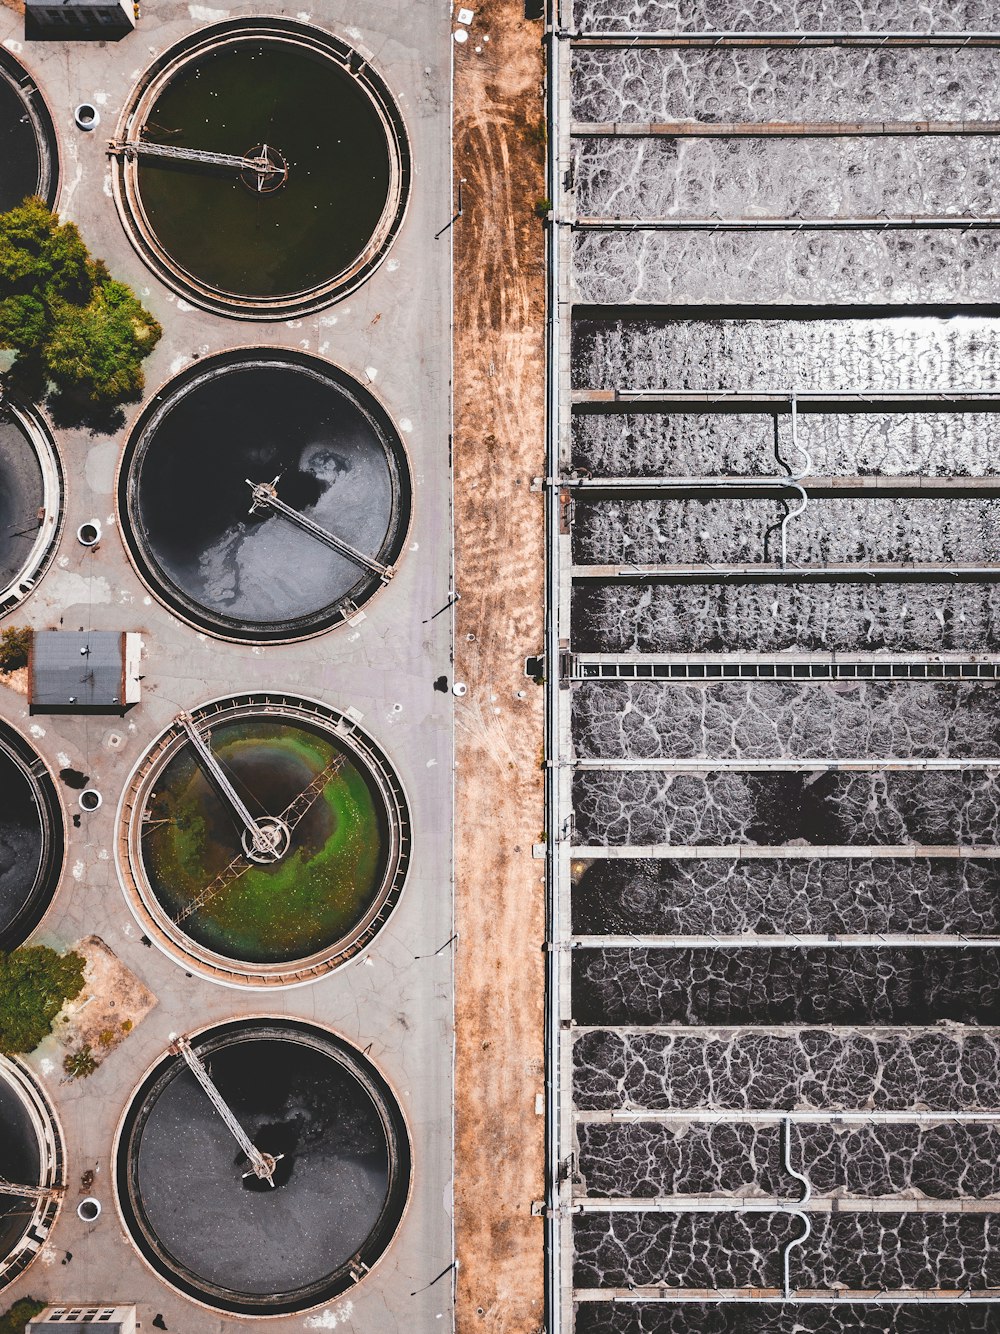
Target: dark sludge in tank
column 757, row 1317
column 338, row 1152
column 273, row 166
column 266, row 497
column 860, row 1159
column 27, row 138
column 20, row 1162
column 803, row 896
column 31, row 839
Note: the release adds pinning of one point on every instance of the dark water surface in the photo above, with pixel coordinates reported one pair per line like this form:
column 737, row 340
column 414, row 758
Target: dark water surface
column 21, row 494
column 777, row 1318
column 801, row 895
column 318, row 117
column 851, row 809
column 258, row 573
column 794, row 721
column 939, row 1160
column 946, row 1068
column 292, row 1099
column 20, row 1162
column 20, row 159
column 20, row 841
column 781, row 986
column 853, row 1251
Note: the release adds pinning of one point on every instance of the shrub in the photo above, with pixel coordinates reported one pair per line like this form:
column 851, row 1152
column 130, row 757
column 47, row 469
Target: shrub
column 80, row 1063
column 35, row 983
column 15, row 642
column 17, row 1316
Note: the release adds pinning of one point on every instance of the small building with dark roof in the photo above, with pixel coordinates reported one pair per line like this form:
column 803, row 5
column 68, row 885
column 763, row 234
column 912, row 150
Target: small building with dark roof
column 78, row 18
column 65, row 1319
column 86, row 671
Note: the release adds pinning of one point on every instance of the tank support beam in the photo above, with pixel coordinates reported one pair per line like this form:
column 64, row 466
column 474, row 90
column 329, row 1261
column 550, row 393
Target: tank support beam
column 262, row 1165
column 259, row 164
column 265, row 496
column 31, row 1192
column 264, row 839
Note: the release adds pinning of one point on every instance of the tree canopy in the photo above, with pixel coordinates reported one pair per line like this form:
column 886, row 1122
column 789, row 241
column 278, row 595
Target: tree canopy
column 35, row 983
column 73, row 327
column 17, row 1316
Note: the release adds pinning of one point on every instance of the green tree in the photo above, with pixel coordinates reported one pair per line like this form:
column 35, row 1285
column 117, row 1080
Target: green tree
column 96, row 351
column 17, row 1316
column 73, row 327
column 35, row 983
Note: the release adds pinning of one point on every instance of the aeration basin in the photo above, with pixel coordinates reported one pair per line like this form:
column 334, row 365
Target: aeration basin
column 302, row 553
column 207, row 1224
column 300, row 880
column 28, row 161
column 31, row 1155
column 31, row 498
column 262, row 168
column 31, row 839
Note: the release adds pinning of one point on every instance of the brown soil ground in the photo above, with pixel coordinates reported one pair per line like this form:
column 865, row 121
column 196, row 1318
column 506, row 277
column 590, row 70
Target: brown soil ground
column 112, row 1003
column 498, row 448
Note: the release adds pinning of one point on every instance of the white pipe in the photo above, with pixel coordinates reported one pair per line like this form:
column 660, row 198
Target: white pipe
column 792, row 1172
column 786, row 1257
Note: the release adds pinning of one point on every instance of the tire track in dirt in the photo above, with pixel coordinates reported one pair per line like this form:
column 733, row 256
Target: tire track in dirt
column 498, row 448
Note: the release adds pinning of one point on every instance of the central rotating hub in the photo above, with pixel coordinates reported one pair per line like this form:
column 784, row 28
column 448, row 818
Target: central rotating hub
column 270, row 842
column 264, row 170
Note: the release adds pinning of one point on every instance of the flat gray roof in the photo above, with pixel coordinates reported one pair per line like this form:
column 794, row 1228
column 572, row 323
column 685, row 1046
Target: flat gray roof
column 77, row 669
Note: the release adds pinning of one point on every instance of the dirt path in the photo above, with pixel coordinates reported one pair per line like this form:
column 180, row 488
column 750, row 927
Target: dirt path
column 499, row 447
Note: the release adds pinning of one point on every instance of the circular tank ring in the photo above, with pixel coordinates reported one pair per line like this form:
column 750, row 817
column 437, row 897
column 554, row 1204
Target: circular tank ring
column 158, row 924
column 48, row 1133
column 53, row 849
column 144, row 562
column 35, row 428
column 125, row 176
column 42, row 124
column 205, row 1040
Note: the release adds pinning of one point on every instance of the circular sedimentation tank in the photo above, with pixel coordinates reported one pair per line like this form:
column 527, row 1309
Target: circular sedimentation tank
column 224, row 556
column 207, row 1224
column 322, row 878
column 263, row 168
column 28, row 156
column 31, row 501
column 31, row 1154
column 31, row 838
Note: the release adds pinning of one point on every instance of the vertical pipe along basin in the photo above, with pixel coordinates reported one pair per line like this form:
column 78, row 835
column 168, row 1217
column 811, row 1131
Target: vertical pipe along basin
column 341, row 1174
